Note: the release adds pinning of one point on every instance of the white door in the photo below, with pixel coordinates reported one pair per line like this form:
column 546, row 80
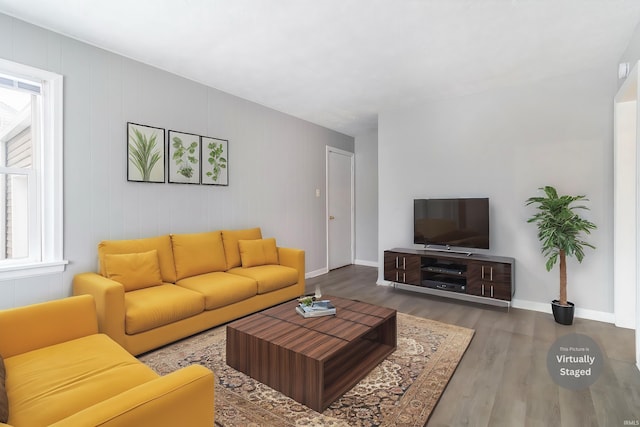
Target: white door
column 339, row 208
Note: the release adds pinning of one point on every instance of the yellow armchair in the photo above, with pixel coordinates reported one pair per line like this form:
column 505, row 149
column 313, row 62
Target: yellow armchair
column 62, row 372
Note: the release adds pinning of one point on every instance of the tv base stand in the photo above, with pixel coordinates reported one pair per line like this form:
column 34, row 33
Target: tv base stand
column 449, row 251
column 454, row 295
column 474, row 277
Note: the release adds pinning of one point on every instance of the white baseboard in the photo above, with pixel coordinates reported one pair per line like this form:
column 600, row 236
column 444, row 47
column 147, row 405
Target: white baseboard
column 531, row 305
column 625, row 323
column 320, row 272
column 366, row 263
column 583, row 313
column 600, row 316
column 316, row 273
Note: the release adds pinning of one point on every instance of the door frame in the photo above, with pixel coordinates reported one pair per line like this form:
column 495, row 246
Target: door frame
column 351, row 156
column 626, row 271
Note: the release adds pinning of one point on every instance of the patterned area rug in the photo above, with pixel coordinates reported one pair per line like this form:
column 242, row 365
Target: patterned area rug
column 400, row 391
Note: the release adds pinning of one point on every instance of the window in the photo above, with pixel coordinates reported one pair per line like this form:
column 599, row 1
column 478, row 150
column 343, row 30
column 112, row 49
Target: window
column 30, row 171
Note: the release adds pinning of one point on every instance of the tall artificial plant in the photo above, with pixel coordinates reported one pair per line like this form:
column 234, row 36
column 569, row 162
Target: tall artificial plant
column 559, row 230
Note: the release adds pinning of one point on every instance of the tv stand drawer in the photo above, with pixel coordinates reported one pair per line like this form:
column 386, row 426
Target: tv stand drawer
column 400, row 267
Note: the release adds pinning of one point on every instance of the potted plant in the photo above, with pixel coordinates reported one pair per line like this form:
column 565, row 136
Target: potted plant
column 560, row 231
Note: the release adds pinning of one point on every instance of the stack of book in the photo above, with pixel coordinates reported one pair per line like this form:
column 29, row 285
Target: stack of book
column 316, row 309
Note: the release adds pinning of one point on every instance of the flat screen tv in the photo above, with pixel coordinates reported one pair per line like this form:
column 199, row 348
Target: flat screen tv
column 451, row 222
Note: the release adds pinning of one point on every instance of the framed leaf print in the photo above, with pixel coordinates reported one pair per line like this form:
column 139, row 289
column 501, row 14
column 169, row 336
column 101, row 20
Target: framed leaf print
column 184, row 158
column 215, row 161
column 145, row 153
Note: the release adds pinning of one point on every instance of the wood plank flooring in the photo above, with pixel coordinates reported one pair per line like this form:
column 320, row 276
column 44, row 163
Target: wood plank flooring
column 502, row 379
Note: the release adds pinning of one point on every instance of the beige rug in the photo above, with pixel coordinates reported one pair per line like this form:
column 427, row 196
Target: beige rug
column 401, row 391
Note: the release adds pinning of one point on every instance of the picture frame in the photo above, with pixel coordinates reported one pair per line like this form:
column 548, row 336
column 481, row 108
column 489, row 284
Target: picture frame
column 184, row 158
column 215, row 161
column 145, row 153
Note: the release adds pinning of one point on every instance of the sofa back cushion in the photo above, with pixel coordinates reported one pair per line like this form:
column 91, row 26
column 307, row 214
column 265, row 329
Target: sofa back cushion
column 198, row 253
column 162, row 244
column 231, row 248
column 134, row 271
column 29, row 327
column 258, row 252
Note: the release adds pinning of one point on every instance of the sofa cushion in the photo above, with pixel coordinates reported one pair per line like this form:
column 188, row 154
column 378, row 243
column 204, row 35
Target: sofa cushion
column 4, row 401
column 230, row 239
column 52, row 383
column 220, row 289
column 134, row 271
column 198, row 253
column 149, row 308
column 161, row 243
column 258, row 252
column 269, row 277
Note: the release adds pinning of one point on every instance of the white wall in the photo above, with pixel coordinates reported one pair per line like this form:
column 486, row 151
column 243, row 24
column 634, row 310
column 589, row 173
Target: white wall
column 366, row 154
column 275, row 161
column 504, row 144
column 632, row 52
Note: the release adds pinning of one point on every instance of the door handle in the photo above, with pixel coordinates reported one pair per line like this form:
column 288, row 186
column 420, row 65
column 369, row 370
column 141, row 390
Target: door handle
column 332, row 217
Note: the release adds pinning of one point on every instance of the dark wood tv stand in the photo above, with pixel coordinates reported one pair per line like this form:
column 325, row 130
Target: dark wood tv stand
column 473, row 277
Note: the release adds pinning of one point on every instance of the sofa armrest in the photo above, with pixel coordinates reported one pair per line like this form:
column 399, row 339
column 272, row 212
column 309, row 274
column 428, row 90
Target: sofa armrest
column 109, row 298
column 294, row 258
column 27, row 328
column 181, row 398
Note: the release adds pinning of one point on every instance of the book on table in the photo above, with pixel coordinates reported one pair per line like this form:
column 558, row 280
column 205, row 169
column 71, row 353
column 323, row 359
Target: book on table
column 316, row 309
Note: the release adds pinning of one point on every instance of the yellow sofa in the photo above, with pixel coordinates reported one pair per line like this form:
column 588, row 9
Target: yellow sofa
column 153, row 291
column 61, row 372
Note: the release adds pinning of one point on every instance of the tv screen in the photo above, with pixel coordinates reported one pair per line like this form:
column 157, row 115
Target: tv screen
column 451, row 222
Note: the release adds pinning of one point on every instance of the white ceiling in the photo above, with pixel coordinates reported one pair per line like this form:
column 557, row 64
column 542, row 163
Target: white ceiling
column 338, row 63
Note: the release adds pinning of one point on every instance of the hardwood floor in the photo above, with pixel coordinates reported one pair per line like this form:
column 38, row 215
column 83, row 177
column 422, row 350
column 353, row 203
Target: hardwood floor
column 502, row 379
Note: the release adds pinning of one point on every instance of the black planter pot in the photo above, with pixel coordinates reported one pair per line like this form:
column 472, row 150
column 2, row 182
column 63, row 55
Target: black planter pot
column 563, row 314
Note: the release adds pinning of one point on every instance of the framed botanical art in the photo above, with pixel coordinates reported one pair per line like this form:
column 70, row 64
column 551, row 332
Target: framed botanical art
column 184, row 158
column 145, row 153
column 215, row 161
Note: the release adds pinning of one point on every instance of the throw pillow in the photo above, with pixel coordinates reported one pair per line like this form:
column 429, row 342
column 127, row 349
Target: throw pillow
column 134, row 271
column 160, row 243
column 258, row 252
column 4, row 401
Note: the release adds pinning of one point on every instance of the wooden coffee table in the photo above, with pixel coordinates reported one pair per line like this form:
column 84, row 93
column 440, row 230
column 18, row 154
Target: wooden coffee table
column 315, row 360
